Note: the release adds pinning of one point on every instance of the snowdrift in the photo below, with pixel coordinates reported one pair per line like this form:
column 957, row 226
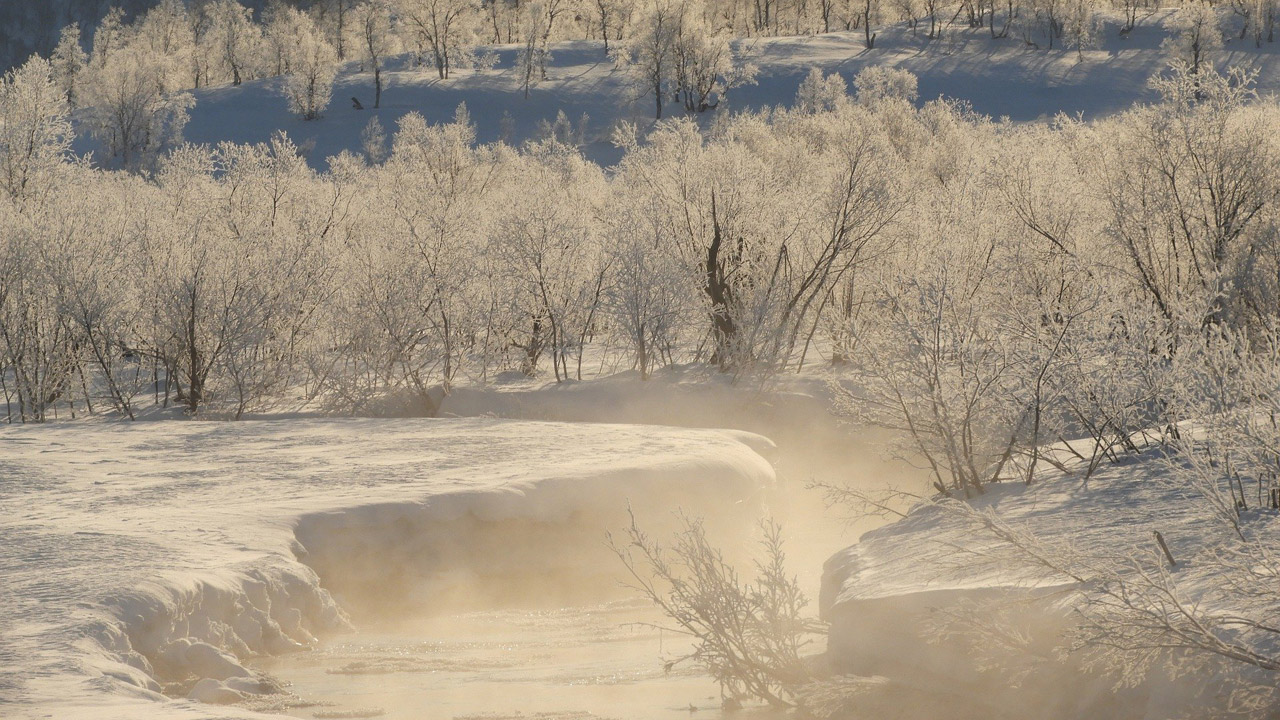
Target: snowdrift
column 149, row 561
column 904, row 602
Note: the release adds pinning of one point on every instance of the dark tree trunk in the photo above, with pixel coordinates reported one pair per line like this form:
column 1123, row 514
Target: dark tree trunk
column 720, row 293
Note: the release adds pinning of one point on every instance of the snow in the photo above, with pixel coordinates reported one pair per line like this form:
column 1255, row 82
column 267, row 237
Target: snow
column 998, row 77
column 134, row 553
column 882, row 595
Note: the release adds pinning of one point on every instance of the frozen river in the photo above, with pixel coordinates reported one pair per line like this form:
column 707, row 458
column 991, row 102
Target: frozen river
column 580, row 663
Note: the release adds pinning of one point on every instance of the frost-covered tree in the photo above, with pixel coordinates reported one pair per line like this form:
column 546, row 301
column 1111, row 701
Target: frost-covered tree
column 234, row 39
column 35, row 129
column 373, row 21
column 1259, row 20
column 531, row 60
column 166, row 31
column 233, row 258
column 281, row 27
column 337, row 19
column 821, row 93
column 38, row 358
column 551, row 247
column 610, row 18
column 110, row 36
column 1191, row 206
column 132, row 114
column 69, row 61
column 412, row 302
column 86, row 254
column 650, row 295
column 868, row 11
column 703, row 66
column 648, row 52
column 443, row 28
column 313, row 65
column 1081, row 26
column 1196, row 36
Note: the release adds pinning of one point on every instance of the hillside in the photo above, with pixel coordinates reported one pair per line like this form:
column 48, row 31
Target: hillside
column 33, row 26
column 998, row 77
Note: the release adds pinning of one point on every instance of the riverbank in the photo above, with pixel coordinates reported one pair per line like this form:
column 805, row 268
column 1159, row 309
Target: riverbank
column 147, row 562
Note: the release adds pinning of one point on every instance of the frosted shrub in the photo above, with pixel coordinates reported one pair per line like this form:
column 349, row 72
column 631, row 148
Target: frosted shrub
column 884, row 83
column 749, row 635
column 374, row 142
column 821, row 93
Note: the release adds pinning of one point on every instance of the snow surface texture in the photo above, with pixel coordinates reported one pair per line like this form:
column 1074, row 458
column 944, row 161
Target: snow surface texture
column 998, row 77
column 169, row 552
column 883, row 595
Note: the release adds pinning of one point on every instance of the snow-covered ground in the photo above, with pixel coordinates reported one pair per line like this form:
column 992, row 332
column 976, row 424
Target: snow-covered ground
column 897, row 601
column 166, row 552
column 998, row 77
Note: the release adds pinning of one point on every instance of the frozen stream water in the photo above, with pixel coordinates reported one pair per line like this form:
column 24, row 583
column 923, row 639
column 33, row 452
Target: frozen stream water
column 592, row 659
column 579, row 663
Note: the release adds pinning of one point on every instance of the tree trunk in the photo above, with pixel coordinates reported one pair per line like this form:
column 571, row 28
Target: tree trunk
column 718, row 290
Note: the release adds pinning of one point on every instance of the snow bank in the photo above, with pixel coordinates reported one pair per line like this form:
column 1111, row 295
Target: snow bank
column 892, row 598
column 153, row 560
column 795, row 411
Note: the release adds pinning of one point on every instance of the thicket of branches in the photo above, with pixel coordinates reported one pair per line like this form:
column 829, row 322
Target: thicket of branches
column 1111, row 285
column 990, row 287
column 750, row 635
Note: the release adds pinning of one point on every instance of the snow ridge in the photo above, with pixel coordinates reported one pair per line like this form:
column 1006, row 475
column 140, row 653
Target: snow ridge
column 123, row 595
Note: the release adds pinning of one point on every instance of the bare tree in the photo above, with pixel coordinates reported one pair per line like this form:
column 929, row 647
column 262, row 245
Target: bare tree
column 749, row 635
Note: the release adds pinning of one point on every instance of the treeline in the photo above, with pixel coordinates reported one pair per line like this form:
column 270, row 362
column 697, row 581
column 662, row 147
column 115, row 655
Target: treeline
column 988, row 287
column 134, row 76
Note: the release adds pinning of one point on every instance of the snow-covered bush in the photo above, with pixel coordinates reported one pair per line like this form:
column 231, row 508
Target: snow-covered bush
column 374, row 142
column 878, row 83
column 820, row 92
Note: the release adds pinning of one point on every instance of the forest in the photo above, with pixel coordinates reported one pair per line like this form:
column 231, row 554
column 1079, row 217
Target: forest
column 993, row 286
